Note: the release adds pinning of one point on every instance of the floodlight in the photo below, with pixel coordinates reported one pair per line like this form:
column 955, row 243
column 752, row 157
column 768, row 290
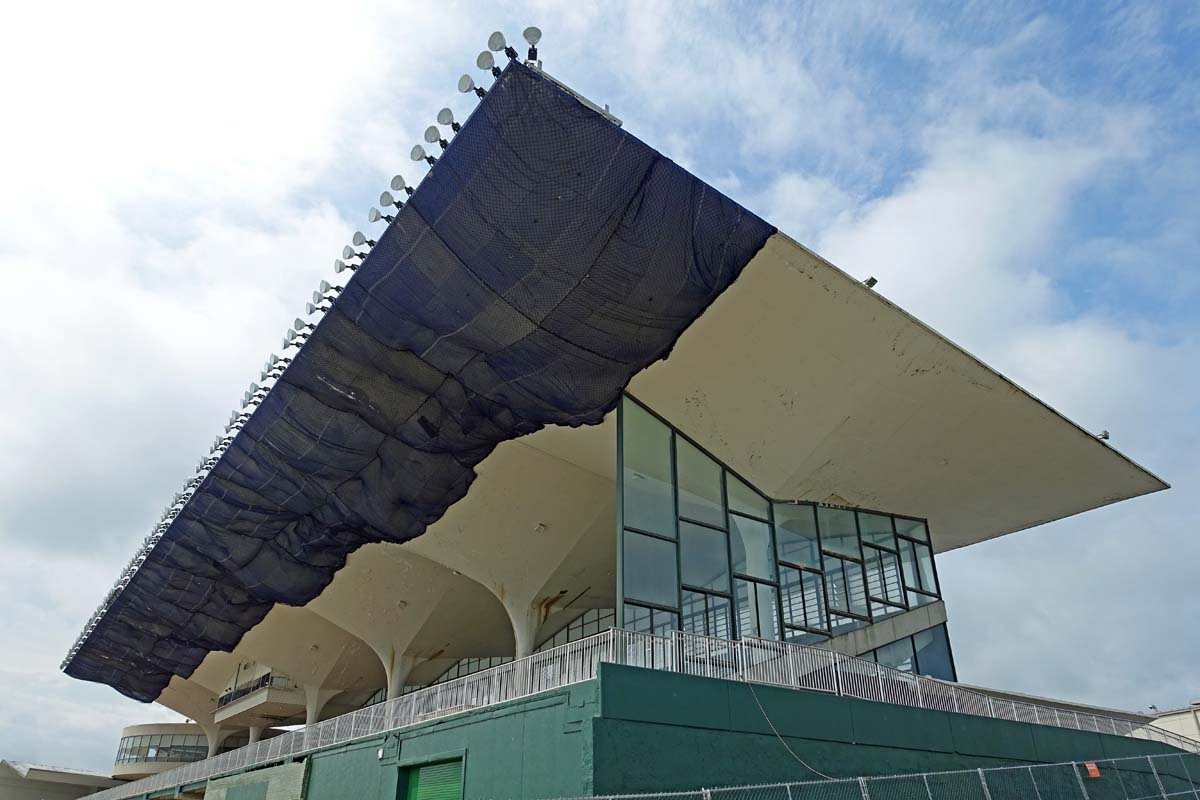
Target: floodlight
column 311, row 309
column 359, row 240
column 870, row 282
column 532, row 36
column 374, row 215
column 342, row 266
column 325, row 288
column 254, row 387
column 434, row 136
column 349, row 252
column 446, row 117
column 387, row 199
column 300, row 324
column 317, row 298
column 486, row 61
column 496, row 42
column 418, row 154
column 467, row 84
column 286, row 344
column 398, row 185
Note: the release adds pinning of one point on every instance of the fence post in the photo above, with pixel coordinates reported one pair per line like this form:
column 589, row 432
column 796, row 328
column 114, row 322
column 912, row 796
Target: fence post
column 1157, row 780
column 1033, row 780
column 862, row 788
column 987, row 793
column 1079, row 779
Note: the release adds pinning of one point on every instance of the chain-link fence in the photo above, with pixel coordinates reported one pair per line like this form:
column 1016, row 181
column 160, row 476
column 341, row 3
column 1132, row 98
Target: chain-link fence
column 1137, row 778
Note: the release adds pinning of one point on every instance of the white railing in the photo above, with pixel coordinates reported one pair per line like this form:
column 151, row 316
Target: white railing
column 759, row 661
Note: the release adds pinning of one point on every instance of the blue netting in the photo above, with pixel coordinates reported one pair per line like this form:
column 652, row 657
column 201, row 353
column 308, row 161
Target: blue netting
column 546, row 259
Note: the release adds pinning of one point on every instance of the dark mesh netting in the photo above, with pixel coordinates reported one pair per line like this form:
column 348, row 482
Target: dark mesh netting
column 547, row 258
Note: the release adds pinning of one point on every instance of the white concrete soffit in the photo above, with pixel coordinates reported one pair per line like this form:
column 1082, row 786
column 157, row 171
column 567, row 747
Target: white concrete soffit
column 814, row 387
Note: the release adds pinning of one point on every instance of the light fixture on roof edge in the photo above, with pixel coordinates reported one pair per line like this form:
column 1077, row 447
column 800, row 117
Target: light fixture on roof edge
column 467, row 84
column 487, row 62
column 312, row 309
column 359, row 239
column 418, row 154
column 374, row 215
column 496, row 43
column 342, row 266
column 446, row 117
column 870, row 282
column 532, row 36
column 398, row 184
column 349, row 252
column 434, row 136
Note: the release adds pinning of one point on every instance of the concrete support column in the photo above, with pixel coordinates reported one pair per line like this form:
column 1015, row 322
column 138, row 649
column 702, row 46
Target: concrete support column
column 525, row 622
column 397, row 668
column 255, row 733
column 216, row 736
column 314, row 702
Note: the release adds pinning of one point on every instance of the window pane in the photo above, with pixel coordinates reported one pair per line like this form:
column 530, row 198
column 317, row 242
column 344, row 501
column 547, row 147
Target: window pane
column 720, row 617
column 898, row 655
column 915, row 600
column 908, row 563
column 838, row 532
column 750, row 545
column 933, row 653
column 649, row 570
column 646, row 478
column 665, row 622
column 699, row 485
column 836, row 584
column 876, row 529
column 637, row 618
column 756, row 609
column 803, row 598
column 856, row 585
column 745, row 500
column 703, row 557
column 925, row 568
column 694, row 614
column 796, row 534
column 912, row 527
column 883, row 575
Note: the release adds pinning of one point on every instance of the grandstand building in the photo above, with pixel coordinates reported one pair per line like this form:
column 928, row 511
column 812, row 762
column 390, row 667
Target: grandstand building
column 589, row 480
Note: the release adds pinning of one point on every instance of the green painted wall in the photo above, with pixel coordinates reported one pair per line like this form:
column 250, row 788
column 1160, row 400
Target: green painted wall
column 637, row 730
column 534, row 748
column 660, row 731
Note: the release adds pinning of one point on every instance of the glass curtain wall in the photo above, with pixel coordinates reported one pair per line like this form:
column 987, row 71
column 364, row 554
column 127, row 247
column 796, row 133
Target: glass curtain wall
column 703, row 551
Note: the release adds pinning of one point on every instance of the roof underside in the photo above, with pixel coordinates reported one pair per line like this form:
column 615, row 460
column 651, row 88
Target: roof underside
column 547, row 258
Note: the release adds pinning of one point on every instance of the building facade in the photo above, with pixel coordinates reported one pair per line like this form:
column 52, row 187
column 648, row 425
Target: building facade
column 580, row 455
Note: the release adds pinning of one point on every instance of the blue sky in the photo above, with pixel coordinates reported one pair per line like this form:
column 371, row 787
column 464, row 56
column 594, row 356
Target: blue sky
column 1021, row 176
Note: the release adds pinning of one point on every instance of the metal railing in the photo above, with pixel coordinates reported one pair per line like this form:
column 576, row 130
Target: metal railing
column 1134, row 778
column 758, row 661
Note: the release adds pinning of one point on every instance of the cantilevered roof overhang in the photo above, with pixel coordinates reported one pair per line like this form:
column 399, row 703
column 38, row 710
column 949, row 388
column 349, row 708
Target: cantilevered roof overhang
column 547, row 262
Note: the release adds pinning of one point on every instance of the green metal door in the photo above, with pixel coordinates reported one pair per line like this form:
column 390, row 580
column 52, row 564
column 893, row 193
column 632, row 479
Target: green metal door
column 436, row 781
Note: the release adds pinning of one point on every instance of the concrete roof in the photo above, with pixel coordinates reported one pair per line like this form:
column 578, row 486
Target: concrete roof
column 814, row 387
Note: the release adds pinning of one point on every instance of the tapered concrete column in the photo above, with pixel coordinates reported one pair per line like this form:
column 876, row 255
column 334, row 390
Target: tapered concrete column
column 525, row 623
column 314, row 702
column 216, row 736
column 398, row 668
column 255, row 733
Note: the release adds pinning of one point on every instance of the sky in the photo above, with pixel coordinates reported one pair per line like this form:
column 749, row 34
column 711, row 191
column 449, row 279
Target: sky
column 175, row 179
